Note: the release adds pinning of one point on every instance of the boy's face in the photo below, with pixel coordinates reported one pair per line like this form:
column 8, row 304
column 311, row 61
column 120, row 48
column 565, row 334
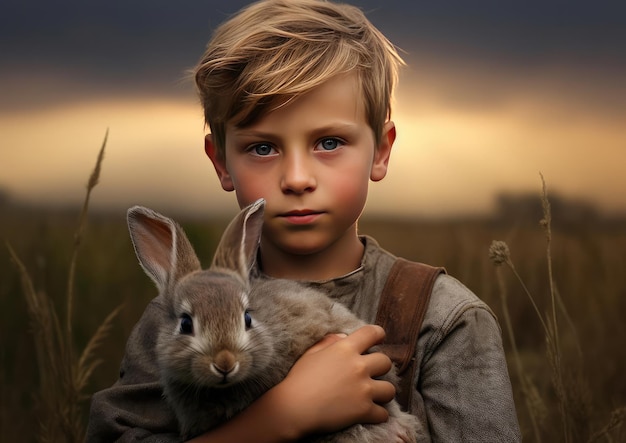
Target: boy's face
column 311, row 160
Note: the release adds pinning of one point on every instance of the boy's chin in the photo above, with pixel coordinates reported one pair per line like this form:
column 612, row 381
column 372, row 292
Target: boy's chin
column 301, row 242
column 303, row 248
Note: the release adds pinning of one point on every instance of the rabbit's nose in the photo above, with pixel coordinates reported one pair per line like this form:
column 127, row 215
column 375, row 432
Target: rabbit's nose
column 225, row 363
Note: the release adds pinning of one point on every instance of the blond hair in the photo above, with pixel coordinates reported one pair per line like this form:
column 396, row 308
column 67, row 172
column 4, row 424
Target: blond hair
column 275, row 50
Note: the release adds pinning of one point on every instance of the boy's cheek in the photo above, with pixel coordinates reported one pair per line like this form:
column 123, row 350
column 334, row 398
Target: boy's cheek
column 351, row 196
column 249, row 191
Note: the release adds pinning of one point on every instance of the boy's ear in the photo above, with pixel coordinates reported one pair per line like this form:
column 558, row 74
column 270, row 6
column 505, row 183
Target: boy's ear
column 383, row 152
column 219, row 163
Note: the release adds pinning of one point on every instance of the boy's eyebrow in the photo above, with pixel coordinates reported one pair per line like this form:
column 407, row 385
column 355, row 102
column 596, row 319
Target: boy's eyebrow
column 326, row 129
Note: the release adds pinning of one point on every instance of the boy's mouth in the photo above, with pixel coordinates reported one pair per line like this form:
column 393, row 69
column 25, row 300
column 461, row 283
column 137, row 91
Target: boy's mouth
column 301, row 216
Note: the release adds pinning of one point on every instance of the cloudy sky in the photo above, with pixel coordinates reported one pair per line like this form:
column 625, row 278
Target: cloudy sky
column 494, row 93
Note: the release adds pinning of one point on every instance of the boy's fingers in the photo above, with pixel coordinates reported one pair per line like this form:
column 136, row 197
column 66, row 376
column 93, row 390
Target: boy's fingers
column 377, row 363
column 325, row 342
column 378, row 414
column 362, row 339
column 383, row 392
column 365, row 337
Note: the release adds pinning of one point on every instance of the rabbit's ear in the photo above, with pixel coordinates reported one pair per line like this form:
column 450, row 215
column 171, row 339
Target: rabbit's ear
column 162, row 247
column 239, row 244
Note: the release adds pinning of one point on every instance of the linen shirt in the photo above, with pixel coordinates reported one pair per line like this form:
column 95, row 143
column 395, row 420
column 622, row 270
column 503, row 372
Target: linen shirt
column 462, row 390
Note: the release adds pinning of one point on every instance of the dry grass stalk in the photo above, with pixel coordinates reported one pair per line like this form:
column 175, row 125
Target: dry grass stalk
column 62, row 377
column 499, row 254
column 574, row 399
column 91, row 184
column 615, row 421
column 554, row 347
column 531, row 396
column 88, row 362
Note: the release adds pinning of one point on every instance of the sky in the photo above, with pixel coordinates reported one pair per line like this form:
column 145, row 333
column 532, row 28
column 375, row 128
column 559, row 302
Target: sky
column 493, row 94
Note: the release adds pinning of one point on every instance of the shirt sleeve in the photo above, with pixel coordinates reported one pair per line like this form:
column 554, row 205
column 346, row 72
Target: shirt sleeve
column 463, row 378
column 133, row 409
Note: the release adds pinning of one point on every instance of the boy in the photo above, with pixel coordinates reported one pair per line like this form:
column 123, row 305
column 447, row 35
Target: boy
column 297, row 97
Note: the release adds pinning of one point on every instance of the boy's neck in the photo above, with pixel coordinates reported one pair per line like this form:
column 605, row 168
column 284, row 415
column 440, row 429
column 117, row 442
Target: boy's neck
column 335, row 261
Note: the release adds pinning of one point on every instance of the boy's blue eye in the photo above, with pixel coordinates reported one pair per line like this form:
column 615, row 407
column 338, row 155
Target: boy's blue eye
column 329, row 144
column 262, row 149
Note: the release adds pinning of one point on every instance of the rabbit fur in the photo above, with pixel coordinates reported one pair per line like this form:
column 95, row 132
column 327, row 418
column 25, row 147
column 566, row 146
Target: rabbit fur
column 229, row 337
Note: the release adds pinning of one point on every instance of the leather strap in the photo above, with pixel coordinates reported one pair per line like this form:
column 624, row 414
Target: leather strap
column 401, row 310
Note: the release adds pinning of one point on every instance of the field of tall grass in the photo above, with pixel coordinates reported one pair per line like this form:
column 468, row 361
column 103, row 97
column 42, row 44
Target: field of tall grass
column 71, row 290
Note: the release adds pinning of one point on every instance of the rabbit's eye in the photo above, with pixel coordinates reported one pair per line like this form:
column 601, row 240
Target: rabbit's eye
column 186, row 324
column 248, row 319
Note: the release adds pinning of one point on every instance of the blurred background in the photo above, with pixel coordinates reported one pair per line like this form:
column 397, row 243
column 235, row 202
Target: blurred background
column 493, row 94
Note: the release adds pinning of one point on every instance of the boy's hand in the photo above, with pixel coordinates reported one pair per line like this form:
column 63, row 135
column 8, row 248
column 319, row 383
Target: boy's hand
column 331, row 385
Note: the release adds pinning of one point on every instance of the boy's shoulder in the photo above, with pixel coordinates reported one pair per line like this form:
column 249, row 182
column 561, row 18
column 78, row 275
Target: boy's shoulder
column 453, row 307
column 449, row 296
column 451, row 302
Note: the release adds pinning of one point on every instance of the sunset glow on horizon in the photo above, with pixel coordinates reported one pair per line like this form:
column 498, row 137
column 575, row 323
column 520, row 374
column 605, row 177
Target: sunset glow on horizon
column 446, row 161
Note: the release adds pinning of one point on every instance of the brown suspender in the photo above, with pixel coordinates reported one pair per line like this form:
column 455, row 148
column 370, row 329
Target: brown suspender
column 401, row 310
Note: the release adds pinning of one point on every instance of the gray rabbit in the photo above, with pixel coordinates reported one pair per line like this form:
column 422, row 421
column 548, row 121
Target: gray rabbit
column 230, row 337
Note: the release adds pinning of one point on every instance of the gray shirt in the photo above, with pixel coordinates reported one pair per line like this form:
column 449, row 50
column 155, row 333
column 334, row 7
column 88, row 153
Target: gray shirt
column 462, row 391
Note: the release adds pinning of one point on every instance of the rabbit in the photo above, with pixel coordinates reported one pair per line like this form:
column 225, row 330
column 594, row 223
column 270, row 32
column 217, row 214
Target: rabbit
column 229, row 337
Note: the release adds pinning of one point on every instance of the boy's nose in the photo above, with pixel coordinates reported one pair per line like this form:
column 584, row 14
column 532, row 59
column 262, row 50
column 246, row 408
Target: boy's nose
column 297, row 176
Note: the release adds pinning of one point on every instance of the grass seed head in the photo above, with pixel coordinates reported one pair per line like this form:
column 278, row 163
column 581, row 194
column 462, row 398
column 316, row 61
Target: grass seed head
column 499, row 252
